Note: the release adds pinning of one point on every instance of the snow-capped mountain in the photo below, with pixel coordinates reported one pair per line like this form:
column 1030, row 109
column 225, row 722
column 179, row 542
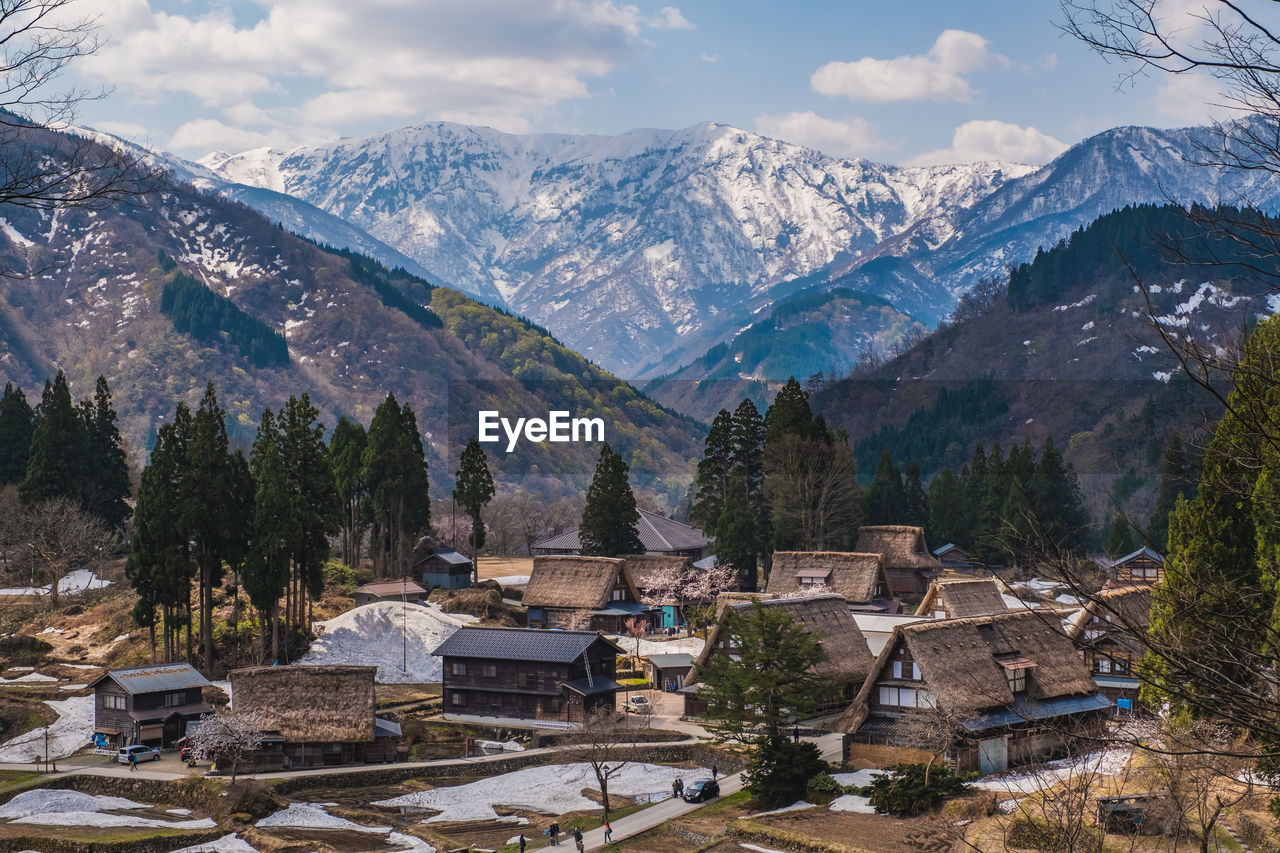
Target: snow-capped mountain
column 624, row 246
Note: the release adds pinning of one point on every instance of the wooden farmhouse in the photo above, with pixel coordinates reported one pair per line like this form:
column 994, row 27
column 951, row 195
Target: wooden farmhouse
column 907, row 560
column 315, row 716
column 441, row 568
column 582, row 593
column 859, row 578
column 983, row 693
column 147, row 704
column 1143, row 566
column 956, row 598
column 644, row 568
column 401, row 590
column 527, row 678
column 658, row 534
column 826, row 616
column 954, row 558
column 1110, row 632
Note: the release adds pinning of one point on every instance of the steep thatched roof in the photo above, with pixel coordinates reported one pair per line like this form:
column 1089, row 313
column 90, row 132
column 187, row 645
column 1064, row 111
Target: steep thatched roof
column 855, row 576
column 575, row 582
column 902, row 545
column 960, row 663
column 848, row 658
column 1122, row 613
column 962, row 597
column 642, row 567
column 309, row 704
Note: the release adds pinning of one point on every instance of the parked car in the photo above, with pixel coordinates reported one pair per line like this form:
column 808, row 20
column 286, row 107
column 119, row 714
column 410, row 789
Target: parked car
column 637, row 705
column 139, row 752
column 701, row 791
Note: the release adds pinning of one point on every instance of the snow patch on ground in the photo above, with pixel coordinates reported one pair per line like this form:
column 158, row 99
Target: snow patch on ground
column 313, row 816
column 370, row 635
column 28, row 678
column 678, row 645
column 553, row 789
column 1111, row 762
column 852, row 803
column 74, row 582
column 858, row 778
column 72, row 730
column 794, row 807
column 99, row 819
column 49, row 801
column 226, row 844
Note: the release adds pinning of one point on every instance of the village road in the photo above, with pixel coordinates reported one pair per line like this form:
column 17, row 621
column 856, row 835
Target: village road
column 645, row 819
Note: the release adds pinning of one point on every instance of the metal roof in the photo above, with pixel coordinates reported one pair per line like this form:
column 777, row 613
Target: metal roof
column 658, row 535
column 593, row 686
column 386, row 728
column 451, row 556
column 1025, row 709
column 530, row 644
column 155, row 678
column 668, row 661
column 623, row 608
column 400, row 587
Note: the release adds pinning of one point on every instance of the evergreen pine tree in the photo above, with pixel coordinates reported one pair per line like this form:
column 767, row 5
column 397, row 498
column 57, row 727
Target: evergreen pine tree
column 1056, row 501
column 915, row 500
column 1119, row 536
column 789, row 414
column 948, row 519
column 736, row 541
column 346, row 450
column 473, row 491
column 394, row 470
column 316, row 512
column 711, row 482
column 266, row 570
column 1176, row 480
column 105, row 490
column 609, row 518
column 17, row 423
column 55, row 465
column 747, row 458
column 885, row 501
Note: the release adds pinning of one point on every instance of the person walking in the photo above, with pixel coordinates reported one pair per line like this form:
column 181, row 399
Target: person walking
column 555, row 832
column 577, row 838
column 608, row 833
column 715, row 773
column 133, row 761
column 522, row 842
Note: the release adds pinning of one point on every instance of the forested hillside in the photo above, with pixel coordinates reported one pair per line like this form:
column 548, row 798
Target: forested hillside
column 1067, row 348
column 178, row 287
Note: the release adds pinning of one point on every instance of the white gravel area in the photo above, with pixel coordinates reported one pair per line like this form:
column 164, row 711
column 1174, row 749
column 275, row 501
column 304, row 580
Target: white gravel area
column 72, row 730
column 553, row 789
column 376, row 635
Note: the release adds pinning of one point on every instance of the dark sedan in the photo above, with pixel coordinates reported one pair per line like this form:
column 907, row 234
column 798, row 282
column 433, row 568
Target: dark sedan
column 701, row 791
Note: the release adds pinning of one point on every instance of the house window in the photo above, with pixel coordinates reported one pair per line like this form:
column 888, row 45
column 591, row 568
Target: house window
column 173, row 700
column 491, row 670
column 1120, row 666
column 459, row 698
column 899, row 669
column 812, row 581
column 1017, row 679
column 116, row 703
column 939, row 614
column 618, row 594
column 1103, row 665
column 906, row 697
column 458, row 668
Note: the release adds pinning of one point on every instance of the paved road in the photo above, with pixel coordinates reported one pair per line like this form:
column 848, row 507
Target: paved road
column 646, row 819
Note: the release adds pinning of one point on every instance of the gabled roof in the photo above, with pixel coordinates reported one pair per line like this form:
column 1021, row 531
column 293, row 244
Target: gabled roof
column 657, row 533
column 400, row 587
column 854, row 576
column 1141, row 552
column 642, row 567
column 309, row 704
column 155, row 678
column 525, row 644
column 450, row 556
column 848, row 658
column 1123, row 611
column 575, row 582
column 962, row 597
column 902, row 545
column 959, row 662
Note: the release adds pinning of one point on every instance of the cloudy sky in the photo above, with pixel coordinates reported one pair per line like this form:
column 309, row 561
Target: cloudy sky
column 924, row 81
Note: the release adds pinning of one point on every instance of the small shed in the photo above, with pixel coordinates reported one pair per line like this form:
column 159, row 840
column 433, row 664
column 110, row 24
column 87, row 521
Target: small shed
column 667, row 672
column 404, row 589
column 440, row 567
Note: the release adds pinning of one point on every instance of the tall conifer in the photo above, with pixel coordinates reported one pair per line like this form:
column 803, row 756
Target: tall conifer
column 609, row 517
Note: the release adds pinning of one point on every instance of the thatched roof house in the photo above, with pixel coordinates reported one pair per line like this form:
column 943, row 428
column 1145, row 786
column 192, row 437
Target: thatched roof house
column 1111, row 634
column 848, row 658
column 643, row 567
column 591, row 593
column 907, row 560
column 956, row 598
column 857, row 577
column 309, row 704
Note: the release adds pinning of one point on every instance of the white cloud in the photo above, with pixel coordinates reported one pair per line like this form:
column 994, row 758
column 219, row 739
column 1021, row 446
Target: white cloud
column 670, row 18
column 1191, row 99
column 935, row 76
column 994, row 140
column 709, row 58
column 847, row 137
column 331, row 64
column 211, row 135
column 123, row 129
